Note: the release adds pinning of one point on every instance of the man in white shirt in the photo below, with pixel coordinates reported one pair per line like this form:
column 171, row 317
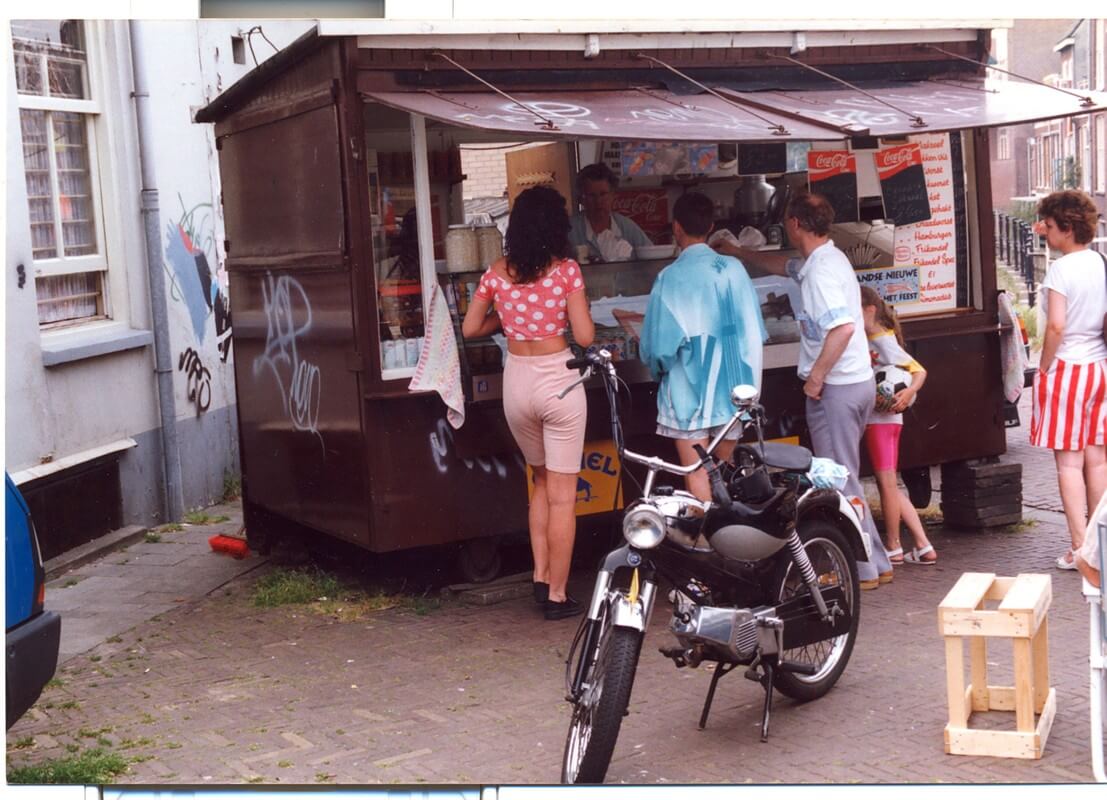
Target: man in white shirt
column 834, row 362
column 609, row 236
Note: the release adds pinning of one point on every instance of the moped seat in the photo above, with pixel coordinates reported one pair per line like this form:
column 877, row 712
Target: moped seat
column 791, row 457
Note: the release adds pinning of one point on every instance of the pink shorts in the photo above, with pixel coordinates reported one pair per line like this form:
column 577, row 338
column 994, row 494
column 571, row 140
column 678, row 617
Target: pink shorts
column 549, row 431
column 882, row 442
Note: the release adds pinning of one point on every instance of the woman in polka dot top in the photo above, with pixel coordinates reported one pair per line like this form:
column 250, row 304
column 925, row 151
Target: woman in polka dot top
column 534, row 293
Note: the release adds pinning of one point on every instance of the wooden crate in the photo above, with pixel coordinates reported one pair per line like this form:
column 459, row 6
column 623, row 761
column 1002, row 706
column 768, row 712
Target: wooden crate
column 1021, row 617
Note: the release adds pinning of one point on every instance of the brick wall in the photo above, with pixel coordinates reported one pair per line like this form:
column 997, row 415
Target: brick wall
column 485, row 170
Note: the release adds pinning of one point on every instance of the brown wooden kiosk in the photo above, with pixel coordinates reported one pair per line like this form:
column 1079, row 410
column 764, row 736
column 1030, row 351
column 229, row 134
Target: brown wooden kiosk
column 325, row 147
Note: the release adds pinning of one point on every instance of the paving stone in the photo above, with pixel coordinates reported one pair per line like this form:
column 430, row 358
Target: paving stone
column 475, row 693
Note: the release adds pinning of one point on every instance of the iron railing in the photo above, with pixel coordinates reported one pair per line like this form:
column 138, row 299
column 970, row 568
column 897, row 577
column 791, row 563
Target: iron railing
column 1016, row 244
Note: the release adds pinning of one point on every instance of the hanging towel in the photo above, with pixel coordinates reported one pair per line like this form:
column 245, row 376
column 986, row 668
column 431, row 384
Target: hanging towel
column 439, row 369
column 1012, row 353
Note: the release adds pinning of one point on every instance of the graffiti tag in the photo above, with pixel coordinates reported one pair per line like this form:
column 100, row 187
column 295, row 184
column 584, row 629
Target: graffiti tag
column 299, row 382
column 442, row 437
column 191, row 240
column 199, row 379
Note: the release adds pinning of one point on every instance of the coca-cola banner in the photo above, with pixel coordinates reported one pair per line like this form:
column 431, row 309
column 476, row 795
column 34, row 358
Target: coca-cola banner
column 902, row 183
column 833, row 174
column 649, row 208
column 931, row 245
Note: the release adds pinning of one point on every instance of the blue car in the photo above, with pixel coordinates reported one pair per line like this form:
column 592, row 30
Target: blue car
column 33, row 634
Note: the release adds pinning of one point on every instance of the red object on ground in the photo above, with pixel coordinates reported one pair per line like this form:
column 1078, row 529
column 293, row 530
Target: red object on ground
column 229, row 545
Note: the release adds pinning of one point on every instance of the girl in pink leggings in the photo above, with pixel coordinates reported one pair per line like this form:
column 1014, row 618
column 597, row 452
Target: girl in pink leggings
column 534, row 293
column 885, row 424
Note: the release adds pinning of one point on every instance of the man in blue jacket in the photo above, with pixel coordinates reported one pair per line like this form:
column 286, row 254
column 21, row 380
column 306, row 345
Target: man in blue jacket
column 702, row 336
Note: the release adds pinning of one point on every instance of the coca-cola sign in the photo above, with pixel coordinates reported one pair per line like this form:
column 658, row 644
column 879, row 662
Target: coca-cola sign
column 649, row 208
column 892, row 160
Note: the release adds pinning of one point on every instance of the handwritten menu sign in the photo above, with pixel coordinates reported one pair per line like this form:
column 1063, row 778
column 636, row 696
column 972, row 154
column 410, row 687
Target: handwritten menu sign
column 902, row 183
column 762, row 159
column 930, row 246
column 897, row 285
column 833, row 174
column 649, row 208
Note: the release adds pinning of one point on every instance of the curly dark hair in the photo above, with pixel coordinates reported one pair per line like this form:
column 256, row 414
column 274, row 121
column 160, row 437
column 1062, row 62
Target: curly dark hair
column 1071, row 210
column 537, row 232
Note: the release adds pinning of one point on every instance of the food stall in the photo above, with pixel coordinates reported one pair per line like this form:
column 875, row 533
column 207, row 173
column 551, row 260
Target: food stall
column 334, row 151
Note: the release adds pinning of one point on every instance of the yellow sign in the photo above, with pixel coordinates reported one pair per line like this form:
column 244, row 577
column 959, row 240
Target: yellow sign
column 598, row 482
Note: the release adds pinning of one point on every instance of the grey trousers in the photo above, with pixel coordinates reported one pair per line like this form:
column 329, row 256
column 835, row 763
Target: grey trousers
column 837, row 423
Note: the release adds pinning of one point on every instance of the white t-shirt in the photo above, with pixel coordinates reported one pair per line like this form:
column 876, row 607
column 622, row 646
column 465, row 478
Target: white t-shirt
column 1080, row 278
column 831, row 297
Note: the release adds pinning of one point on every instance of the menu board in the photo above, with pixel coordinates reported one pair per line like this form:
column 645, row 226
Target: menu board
column 903, row 184
column 930, row 246
column 762, row 159
column 649, row 208
column 833, row 174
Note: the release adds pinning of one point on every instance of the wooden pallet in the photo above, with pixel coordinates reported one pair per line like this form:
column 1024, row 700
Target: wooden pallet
column 1020, row 616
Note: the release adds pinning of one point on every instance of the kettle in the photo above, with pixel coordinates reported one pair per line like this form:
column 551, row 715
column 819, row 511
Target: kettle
column 752, row 202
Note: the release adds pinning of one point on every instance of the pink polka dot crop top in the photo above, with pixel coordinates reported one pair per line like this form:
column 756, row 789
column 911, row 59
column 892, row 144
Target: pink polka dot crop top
column 533, row 311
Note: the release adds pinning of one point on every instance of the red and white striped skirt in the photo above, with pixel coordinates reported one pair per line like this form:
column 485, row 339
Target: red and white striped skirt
column 1069, row 406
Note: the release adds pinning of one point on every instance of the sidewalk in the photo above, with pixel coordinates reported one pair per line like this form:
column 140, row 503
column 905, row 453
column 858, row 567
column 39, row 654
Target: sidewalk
column 186, row 676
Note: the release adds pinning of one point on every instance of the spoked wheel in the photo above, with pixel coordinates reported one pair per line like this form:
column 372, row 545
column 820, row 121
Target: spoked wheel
column 599, row 712
column 832, row 559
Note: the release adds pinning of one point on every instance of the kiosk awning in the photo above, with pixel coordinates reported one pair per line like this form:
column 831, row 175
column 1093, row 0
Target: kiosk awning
column 809, row 114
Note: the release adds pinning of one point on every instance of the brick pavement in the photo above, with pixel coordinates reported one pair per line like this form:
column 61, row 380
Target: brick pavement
column 215, row 690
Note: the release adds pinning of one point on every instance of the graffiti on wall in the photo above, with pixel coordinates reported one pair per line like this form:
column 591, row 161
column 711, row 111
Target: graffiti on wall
column 441, row 444
column 299, row 383
column 199, row 379
column 191, row 240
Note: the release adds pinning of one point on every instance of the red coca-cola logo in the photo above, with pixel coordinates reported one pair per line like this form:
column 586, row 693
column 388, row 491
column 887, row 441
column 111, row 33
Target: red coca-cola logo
column 638, row 204
column 832, row 161
column 893, row 158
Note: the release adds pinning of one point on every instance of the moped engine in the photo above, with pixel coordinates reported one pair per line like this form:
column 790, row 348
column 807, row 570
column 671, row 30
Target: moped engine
column 739, row 633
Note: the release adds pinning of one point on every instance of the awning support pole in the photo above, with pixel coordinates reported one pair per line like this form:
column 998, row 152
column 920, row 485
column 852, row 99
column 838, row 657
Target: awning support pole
column 916, row 120
column 548, row 124
column 777, row 129
column 1084, row 99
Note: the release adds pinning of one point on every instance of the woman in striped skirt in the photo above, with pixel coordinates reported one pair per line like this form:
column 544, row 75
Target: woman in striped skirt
column 1070, row 388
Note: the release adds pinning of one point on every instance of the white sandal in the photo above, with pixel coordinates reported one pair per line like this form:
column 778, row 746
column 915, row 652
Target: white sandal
column 1062, row 563
column 915, row 556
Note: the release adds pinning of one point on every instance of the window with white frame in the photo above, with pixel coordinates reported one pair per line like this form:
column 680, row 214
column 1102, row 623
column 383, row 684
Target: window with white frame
column 1101, row 153
column 57, row 114
column 1003, row 145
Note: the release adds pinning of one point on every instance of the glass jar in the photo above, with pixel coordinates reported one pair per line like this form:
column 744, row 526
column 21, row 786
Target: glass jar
column 462, row 249
column 490, row 243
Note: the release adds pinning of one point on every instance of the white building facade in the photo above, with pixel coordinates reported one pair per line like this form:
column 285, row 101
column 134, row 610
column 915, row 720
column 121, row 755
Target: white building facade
column 86, row 395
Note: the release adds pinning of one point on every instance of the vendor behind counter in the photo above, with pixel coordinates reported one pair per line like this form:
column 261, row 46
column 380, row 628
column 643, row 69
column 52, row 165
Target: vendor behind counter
column 607, row 235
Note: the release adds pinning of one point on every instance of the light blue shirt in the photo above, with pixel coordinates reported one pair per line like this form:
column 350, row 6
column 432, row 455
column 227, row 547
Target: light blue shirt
column 702, row 335
column 580, row 232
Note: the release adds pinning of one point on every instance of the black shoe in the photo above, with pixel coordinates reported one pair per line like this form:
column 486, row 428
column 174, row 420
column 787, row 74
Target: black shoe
column 541, row 592
column 561, row 610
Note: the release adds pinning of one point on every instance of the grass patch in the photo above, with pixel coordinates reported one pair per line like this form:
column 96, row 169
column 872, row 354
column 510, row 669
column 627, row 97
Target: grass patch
column 151, row 537
column 294, row 587
column 24, row 742
column 326, row 595
column 70, row 582
column 202, row 518
column 69, row 704
column 55, row 683
column 172, row 527
column 232, row 487
column 90, row 767
column 323, row 777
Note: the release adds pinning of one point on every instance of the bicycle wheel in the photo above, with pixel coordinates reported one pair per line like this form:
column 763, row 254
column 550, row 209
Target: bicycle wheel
column 834, row 565
column 599, row 712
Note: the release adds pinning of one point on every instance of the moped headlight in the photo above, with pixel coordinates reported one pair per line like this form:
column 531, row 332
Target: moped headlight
column 644, row 526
